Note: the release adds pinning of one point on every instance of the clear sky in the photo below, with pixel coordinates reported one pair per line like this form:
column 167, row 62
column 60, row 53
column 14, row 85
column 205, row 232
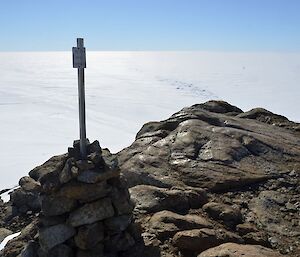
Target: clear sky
column 213, row 25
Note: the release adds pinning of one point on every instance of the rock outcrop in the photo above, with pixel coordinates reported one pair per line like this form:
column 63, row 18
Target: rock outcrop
column 209, row 181
column 248, row 163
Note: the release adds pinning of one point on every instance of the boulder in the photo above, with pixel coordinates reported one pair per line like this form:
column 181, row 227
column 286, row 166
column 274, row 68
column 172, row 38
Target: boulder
column 117, row 224
column 94, row 176
column 121, row 201
column 53, row 165
column 96, row 252
column 29, row 184
column 153, row 199
column 198, row 240
column 4, row 233
column 237, row 250
column 85, row 192
column 89, row 236
column 166, row 224
column 53, row 205
column 230, row 215
column 120, row 242
column 92, row 212
column 25, row 200
column 55, row 235
column 30, row 250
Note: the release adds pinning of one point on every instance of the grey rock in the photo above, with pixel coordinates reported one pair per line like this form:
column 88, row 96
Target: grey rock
column 55, row 235
column 89, row 236
column 47, row 221
column 85, row 165
column 94, row 147
column 120, row 242
column 121, row 201
column 53, row 165
column 30, row 250
column 117, row 224
column 203, row 146
column 92, row 212
column 4, row 233
column 61, row 251
column 53, row 205
column 233, row 250
column 230, row 215
column 94, row 176
column 28, row 200
column 29, row 184
column 166, row 224
column 96, row 252
column 153, row 199
column 66, row 173
column 85, row 192
column 198, row 240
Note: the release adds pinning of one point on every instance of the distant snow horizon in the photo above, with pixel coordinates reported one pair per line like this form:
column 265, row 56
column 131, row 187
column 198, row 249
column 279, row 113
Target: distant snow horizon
column 124, row 90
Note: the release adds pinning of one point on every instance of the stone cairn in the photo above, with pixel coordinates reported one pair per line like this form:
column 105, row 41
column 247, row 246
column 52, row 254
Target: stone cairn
column 86, row 209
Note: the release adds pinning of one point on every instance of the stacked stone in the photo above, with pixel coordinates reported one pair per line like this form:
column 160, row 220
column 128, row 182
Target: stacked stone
column 86, row 209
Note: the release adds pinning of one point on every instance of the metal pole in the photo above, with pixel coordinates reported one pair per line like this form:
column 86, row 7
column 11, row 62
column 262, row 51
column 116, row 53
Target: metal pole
column 81, row 100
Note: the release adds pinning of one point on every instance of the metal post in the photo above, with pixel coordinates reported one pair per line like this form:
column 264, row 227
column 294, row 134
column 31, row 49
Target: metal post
column 80, row 63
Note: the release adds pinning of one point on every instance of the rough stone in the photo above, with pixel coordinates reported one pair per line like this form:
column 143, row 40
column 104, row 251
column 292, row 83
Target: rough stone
column 66, row 173
column 91, row 212
column 198, row 240
column 55, row 235
column 89, row 236
column 29, row 184
column 246, row 228
column 94, row 176
column 120, row 242
column 237, row 250
column 206, row 147
column 30, row 250
column 25, row 199
column 53, row 205
column 122, row 202
column 166, row 224
column 85, row 192
column 96, row 252
column 85, row 165
column 230, row 215
column 53, row 165
column 4, row 233
column 153, row 199
column 47, row 221
column 117, row 224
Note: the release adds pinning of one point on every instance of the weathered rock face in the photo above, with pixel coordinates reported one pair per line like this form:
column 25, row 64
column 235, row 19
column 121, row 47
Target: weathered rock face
column 235, row 157
column 153, row 199
column 209, row 149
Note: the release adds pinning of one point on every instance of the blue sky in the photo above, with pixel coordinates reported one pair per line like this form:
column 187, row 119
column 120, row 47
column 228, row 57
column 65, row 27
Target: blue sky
column 205, row 25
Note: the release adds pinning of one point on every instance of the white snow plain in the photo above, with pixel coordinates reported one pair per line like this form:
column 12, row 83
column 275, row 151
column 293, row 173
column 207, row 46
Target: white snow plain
column 39, row 109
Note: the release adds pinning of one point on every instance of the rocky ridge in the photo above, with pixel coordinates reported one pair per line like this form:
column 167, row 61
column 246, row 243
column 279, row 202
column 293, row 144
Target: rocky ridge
column 209, row 181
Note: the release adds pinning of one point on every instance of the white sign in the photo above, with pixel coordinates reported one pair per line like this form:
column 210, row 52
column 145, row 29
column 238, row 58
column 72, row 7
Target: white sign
column 79, row 59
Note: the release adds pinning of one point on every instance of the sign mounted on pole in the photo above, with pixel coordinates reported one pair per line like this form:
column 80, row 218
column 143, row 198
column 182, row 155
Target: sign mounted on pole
column 79, row 62
column 79, row 59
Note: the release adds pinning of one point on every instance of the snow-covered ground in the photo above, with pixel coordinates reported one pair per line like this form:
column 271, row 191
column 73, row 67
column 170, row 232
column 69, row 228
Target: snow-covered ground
column 8, row 238
column 38, row 96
